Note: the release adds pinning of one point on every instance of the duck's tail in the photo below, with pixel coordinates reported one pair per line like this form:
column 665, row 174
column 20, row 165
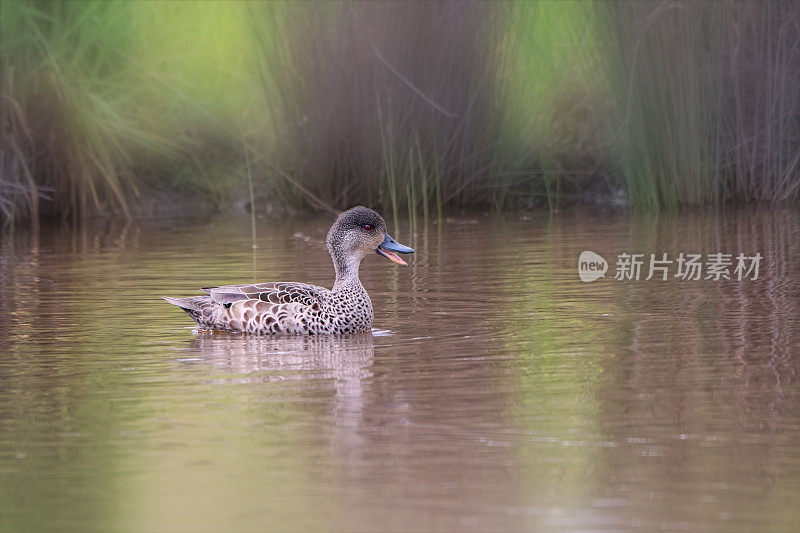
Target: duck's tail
column 200, row 308
column 188, row 304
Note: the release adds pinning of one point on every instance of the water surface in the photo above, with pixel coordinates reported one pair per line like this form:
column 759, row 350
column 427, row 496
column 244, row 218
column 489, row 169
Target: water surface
column 498, row 392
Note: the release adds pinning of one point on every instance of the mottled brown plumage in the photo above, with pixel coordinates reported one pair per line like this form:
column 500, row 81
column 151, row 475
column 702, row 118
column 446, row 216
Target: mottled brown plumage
column 301, row 308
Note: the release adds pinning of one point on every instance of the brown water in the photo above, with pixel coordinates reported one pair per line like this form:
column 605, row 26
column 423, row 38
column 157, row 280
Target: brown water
column 497, row 393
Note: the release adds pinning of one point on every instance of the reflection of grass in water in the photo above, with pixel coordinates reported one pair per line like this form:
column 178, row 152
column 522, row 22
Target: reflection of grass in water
column 708, row 361
column 559, row 341
column 147, row 457
column 659, row 394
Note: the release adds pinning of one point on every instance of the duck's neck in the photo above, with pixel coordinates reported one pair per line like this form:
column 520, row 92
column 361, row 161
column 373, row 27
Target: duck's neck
column 346, row 271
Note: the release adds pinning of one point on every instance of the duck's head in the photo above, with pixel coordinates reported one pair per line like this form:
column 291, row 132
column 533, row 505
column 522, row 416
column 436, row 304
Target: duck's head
column 360, row 231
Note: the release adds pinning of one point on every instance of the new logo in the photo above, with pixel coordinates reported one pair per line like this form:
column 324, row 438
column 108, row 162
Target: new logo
column 591, row 266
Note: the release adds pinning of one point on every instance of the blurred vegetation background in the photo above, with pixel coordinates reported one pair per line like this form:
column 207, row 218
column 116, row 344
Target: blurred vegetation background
column 118, row 107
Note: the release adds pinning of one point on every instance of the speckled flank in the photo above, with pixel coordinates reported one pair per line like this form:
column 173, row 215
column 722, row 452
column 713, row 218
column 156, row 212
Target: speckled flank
column 300, row 308
column 295, row 308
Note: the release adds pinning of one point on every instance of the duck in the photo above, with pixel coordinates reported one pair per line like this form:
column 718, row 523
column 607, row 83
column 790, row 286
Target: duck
column 301, row 308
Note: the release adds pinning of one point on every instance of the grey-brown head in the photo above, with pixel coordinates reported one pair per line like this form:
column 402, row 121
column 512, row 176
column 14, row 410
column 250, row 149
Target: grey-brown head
column 360, row 231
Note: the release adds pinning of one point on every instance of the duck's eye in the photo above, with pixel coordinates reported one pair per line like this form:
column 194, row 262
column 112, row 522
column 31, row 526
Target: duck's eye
column 367, row 227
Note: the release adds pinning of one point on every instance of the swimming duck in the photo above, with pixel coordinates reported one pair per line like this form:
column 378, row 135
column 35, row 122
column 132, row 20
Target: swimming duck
column 301, row 308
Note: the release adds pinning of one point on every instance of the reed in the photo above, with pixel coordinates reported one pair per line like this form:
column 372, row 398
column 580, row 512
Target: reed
column 57, row 125
column 707, row 100
column 95, row 114
column 364, row 84
column 398, row 105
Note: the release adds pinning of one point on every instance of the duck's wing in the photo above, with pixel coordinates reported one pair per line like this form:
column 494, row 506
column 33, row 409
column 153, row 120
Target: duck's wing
column 276, row 293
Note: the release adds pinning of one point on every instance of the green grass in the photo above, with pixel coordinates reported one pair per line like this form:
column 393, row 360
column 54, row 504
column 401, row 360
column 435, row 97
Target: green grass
column 104, row 102
column 706, row 99
column 552, row 91
column 412, row 108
